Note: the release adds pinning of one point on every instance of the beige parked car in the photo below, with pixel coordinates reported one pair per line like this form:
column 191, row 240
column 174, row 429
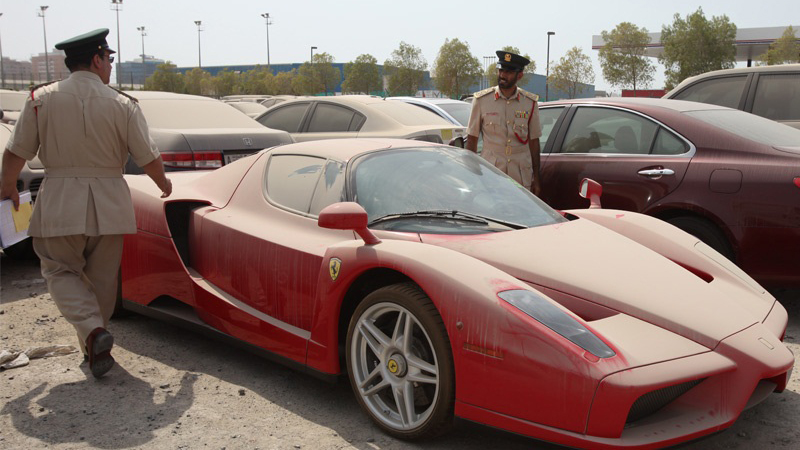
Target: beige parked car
column 11, row 104
column 349, row 116
column 767, row 91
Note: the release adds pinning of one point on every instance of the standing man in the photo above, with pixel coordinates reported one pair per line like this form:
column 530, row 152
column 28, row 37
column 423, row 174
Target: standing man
column 508, row 117
column 83, row 132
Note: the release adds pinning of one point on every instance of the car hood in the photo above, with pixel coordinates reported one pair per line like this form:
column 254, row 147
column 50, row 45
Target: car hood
column 586, row 260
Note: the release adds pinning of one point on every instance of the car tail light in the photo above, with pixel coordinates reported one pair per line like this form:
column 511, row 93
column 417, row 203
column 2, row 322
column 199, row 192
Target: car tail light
column 797, row 182
column 192, row 160
column 208, row 160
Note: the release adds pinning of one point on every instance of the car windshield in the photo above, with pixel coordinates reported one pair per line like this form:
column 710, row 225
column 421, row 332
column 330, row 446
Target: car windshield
column 191, row 113
column 442, row 190
column 460, row 111
column 751, row 127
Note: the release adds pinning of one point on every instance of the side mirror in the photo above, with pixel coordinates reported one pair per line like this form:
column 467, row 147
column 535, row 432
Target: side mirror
column 592, row 190
column 347, row 216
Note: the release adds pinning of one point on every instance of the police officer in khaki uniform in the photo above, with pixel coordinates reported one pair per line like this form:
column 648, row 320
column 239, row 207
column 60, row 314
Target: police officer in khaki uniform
column 508, row 117
column 83, row 132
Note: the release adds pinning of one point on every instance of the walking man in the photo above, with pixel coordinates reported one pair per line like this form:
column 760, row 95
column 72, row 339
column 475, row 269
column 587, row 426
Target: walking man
column 83, row 132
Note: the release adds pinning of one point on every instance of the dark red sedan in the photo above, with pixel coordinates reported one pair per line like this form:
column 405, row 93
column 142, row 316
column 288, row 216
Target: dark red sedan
column 730, row 178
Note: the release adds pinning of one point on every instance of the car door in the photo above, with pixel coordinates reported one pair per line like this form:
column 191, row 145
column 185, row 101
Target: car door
column 637, row 160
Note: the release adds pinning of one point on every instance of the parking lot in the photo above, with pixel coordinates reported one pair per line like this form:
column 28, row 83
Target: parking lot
column 177, row 390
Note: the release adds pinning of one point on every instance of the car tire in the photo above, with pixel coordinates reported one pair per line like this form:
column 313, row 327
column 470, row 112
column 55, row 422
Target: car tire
column 397, row 349
column 705, row 231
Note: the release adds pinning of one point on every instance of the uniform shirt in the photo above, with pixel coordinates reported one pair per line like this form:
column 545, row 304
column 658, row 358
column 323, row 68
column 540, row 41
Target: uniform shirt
column 83, row 132
column 507, row 125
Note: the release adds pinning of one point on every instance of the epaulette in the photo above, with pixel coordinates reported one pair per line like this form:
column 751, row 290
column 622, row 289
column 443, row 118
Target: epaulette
column 486, row 91
column 134, row 99
column 530, row 95
column 34, row 88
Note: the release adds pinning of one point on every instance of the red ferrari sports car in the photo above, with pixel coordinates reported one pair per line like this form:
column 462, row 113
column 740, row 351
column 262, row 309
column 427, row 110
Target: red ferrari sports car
column 443, row 289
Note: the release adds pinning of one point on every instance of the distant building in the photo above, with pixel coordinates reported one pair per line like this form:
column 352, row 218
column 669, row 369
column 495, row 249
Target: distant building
column 16, row 74
column 134, row 73
column 58, row 70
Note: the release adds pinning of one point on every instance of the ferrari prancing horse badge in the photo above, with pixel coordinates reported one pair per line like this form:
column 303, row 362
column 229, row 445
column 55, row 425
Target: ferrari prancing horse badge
column 334, row 266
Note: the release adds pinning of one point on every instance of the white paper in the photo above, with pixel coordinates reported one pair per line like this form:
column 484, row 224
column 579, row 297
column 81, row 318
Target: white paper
column 8, row 232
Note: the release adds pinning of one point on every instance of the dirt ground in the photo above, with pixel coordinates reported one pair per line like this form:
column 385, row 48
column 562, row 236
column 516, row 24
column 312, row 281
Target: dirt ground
column 176, row 390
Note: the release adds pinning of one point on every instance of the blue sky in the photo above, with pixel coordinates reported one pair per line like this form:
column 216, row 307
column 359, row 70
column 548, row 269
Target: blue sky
column 235, row 33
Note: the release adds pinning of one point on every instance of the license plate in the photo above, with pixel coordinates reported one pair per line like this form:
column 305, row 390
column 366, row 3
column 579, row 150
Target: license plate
column 231, row 158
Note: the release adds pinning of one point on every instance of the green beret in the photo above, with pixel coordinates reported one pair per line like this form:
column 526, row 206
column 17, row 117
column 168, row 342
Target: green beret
column 90, row 42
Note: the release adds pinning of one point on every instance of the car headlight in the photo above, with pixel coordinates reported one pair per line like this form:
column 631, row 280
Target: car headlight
column 557, row 320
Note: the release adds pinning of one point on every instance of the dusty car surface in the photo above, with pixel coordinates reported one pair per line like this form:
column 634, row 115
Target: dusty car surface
column 728, row 177
column 454, row 111
column 443, row 289
column 194, row 132
column 359, row 116
column 767, row 91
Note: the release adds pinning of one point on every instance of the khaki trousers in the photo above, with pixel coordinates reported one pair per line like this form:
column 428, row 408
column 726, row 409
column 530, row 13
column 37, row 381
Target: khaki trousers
column 81, row 273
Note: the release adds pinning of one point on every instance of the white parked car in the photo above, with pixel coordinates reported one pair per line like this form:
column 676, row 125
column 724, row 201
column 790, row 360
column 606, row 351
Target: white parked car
column 454, row 111
column 349, row 116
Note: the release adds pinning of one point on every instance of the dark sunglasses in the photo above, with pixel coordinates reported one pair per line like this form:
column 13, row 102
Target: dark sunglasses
column 110, row 59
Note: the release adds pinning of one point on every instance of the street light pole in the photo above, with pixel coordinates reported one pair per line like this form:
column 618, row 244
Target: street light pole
column 268, row 21
column 547, row 75
column 116, row 5
column 144, row 66
column 312, row 54
column 44, row 29
column 199, row 59
column 2, row 72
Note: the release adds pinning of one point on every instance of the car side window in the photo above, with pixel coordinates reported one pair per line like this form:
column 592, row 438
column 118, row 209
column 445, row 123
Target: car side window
column 548, row 118
column 330, row 187
column 286, row 118
column 291, row 180
column 725, row 91
column 777, row 97
column 608, row 130
column 330, row 118
column 669, row 144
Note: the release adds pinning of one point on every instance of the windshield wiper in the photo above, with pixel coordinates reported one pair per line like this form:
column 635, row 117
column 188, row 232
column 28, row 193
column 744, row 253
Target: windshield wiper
column 469, row 217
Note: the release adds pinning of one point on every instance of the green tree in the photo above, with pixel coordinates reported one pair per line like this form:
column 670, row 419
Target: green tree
column 165, row 78
column 362, row 75
column 227, row 83
column 785, row 50
column 491, row 71
column 282, row 83
column 305, row 82
column 455, row 68
column 257, row 81
column 405, row 69
column 198, row 82
column 622, row 57
column 573, row 73
column 697, row 45
column 325, row 75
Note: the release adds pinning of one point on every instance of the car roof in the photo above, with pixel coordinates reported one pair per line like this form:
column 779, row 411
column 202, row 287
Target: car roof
column 737, row 71
column 632, row 102
column 432, row 100
column 344, row 149
column 158, row 95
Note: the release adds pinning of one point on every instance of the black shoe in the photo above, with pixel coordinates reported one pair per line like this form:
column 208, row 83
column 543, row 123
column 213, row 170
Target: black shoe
column 98, row 345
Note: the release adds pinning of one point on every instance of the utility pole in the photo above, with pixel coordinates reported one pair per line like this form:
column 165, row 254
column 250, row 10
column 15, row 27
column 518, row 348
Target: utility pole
column 144, row 66
column 199, row 29
column 2, row 72
column 269, row 22
column 116, row 5
column 547, row 75
column 44, row 29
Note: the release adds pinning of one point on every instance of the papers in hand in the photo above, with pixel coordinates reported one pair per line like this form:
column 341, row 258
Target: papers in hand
column 14, row 223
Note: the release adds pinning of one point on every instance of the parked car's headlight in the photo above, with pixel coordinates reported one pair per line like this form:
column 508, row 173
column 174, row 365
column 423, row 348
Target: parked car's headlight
column 557, row 320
